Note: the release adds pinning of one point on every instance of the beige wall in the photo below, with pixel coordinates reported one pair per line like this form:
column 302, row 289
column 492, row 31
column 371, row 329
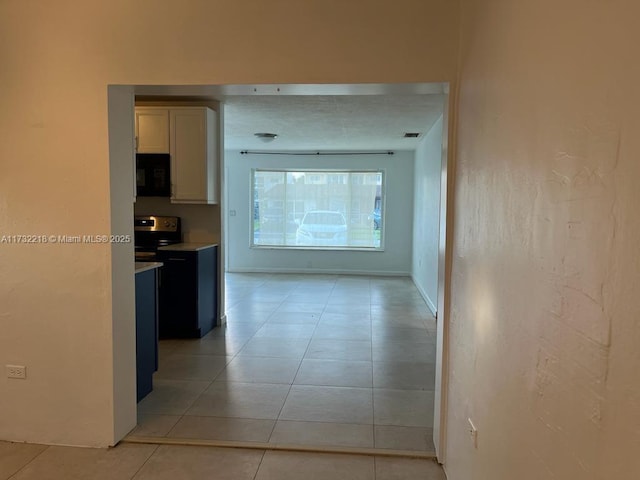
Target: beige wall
column 545, row 328
column 57, row 60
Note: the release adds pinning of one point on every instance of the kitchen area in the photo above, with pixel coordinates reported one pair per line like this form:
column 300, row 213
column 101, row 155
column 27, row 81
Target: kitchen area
column 176, row 226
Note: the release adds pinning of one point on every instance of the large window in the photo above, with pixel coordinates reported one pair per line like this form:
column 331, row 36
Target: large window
column 317, row 209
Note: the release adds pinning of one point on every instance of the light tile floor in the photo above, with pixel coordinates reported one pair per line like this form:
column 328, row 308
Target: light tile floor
column 152, row 462
column 304, row 359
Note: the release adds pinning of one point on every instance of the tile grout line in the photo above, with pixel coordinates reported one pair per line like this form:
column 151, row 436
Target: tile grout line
column 373, row 396
column 375, row 467
column 255, row 475
column 299, row 366
column 226, row 364
column 285, row 398
column 28, row 463
column 184, row 414
column 145, row 462
column 192, row 403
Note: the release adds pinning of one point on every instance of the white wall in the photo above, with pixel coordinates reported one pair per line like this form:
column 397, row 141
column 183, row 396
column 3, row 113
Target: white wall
column 545, row 321
column 121, row 182
column 57, row 60
column 426, row 215
column 394, row 260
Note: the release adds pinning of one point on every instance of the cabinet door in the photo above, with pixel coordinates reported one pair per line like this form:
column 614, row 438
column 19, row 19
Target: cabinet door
column 192, row 155
column 188, row 151
column 207, row 289
column 178, row 295
column 152, row 130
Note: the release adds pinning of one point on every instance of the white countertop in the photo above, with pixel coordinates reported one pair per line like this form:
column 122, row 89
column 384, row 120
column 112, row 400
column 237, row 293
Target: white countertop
column 144, row 266
column 188, row 247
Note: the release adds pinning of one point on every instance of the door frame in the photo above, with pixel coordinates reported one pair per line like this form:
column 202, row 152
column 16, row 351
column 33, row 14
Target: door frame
column 122, row 96
column 445, row 251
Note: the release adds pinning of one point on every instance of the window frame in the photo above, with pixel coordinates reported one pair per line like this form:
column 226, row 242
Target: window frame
column 251, row 213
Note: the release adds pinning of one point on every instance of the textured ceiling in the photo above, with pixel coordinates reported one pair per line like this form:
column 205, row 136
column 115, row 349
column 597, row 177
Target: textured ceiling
column 327, row 122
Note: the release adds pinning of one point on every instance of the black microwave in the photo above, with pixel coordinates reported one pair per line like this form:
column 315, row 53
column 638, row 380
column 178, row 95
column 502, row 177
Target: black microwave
column 153, row 174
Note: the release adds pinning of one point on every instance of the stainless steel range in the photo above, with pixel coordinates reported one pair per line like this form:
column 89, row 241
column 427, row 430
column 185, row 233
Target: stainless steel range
column 153, row 231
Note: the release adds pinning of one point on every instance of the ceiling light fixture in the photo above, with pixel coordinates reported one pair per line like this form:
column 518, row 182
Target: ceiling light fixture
column 266, row 137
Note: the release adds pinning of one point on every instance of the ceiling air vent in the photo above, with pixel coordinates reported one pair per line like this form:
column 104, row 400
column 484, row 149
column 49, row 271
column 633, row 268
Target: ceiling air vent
column 411, row 135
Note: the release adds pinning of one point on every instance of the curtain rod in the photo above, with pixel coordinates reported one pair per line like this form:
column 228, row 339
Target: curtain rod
column 254, row 152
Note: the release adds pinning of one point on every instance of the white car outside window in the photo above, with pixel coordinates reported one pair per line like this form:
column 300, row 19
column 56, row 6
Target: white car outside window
column 322, row 228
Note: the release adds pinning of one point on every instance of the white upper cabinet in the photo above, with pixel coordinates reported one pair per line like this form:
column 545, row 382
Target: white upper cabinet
column 152, row 130
column 193, row 148
column 189, row 134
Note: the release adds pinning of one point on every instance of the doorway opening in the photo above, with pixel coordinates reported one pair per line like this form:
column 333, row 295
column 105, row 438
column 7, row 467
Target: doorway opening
column 266, row 294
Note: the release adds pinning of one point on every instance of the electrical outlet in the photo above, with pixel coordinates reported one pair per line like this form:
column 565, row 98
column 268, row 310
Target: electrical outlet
column 16, row 371
column 473, row 432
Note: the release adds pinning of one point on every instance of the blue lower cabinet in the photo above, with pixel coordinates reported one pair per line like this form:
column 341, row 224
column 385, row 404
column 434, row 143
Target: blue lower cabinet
column 188, row 292
column 146, row 331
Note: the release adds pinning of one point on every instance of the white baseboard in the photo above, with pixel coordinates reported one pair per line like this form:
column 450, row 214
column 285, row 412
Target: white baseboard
column 425, row 297
column 320, row 271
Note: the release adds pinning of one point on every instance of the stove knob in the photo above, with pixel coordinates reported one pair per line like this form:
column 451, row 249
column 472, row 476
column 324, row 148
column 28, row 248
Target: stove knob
column 167, row 223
